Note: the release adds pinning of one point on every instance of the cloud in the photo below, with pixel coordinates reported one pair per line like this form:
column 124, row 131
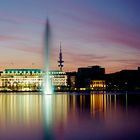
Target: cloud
column 94, row 26
column 118, row 38
column 83, row 58
column 9, row 38
column 29, row 49
column 124, row 61
column 10, row 18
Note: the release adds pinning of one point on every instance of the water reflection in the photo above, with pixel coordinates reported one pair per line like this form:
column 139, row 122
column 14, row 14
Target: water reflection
column 69, row 116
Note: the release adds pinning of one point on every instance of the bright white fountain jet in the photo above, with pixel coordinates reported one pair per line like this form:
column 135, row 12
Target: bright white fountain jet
column 47, row 87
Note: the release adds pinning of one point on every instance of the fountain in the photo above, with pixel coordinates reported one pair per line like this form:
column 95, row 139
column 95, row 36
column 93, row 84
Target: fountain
column 47, row 87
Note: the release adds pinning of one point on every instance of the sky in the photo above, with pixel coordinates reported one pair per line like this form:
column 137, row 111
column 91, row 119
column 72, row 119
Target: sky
column 92, row 32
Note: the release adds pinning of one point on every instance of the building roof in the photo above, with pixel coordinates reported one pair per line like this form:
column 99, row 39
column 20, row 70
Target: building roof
column 32, row 71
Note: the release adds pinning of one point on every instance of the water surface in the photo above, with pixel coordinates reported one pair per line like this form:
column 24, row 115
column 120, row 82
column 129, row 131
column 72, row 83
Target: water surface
column 69, row 116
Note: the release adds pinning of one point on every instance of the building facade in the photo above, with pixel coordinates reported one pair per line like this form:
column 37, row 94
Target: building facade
column 97, row 85
column 86, row 74
column 71, row 81
column 30, row 79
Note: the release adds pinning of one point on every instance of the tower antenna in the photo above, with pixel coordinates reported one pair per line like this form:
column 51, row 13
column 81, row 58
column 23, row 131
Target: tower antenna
column 60, row 61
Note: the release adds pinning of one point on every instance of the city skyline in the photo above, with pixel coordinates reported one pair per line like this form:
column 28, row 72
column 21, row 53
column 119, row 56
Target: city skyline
column 94, row 32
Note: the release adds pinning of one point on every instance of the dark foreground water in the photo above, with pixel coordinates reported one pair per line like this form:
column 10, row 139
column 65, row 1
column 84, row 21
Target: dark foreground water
column 66, row 116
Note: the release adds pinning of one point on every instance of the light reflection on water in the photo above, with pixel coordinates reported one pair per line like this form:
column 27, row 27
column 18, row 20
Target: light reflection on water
column 69, row 116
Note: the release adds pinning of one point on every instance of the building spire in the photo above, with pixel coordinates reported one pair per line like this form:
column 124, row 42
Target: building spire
column 60, row 62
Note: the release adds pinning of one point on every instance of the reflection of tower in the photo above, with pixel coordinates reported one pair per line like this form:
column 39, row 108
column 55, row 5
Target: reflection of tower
column 60, row 62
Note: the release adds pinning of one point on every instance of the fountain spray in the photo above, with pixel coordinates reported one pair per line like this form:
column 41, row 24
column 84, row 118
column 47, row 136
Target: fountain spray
column 47, row 87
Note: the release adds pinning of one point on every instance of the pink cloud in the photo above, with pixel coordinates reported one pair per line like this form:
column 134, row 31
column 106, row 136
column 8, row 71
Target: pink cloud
column 103, row 28
column 119, row 38
column 27, row 48
column 8, row 38
column 75, row 60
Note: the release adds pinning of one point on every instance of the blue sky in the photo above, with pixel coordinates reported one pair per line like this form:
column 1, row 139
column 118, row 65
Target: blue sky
column 92, row 32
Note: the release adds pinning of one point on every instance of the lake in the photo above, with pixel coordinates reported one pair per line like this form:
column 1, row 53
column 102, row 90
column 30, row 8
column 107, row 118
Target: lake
column 69, row 116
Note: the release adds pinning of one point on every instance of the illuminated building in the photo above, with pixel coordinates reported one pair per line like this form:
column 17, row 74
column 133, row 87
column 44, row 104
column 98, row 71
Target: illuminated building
column 71, row 80
column 58, row 79
column 30, row 79
column 97, row 85
column 86, row 74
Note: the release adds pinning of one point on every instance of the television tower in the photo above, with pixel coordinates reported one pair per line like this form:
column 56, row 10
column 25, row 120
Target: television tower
column 60, row 62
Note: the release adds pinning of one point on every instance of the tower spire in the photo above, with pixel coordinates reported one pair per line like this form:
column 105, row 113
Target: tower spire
column 60, row 61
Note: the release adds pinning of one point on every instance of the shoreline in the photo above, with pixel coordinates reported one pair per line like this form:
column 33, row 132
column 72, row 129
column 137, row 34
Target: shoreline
column 71, row 91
